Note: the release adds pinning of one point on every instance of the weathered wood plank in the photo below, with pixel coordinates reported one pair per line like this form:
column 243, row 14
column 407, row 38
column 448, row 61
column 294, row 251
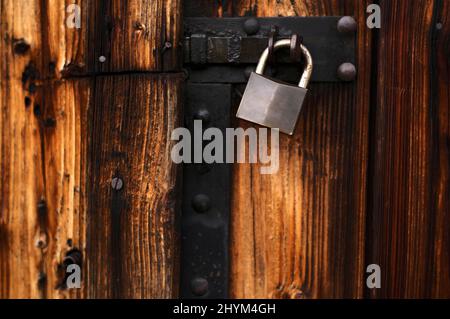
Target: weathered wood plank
column 134, row 253
column 410, row 214
column 52, row 136
column 300, row 233
column 20, row 162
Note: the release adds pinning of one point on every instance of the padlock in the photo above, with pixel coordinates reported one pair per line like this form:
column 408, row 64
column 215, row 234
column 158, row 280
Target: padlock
column 269, row 102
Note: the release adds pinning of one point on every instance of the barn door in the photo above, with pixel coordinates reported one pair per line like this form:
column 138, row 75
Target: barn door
column 91, row 92
column 364, row 180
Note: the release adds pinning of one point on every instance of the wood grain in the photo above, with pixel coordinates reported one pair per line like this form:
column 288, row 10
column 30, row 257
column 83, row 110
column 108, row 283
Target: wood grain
column 410, row 211
column 134, row 252
column 136, row 35
column 300, row 233
column 58, row 151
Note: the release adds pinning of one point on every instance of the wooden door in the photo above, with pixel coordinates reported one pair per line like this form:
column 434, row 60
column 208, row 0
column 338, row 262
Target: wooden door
column 86, row 175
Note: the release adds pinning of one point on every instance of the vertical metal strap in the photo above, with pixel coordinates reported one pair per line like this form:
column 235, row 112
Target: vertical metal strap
column 206, row 201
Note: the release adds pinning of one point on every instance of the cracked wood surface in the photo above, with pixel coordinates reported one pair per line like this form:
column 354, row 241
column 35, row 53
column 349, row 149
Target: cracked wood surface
column 65, row 131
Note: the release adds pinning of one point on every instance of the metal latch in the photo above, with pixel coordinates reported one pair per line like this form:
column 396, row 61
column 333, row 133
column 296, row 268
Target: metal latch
column 239, row 41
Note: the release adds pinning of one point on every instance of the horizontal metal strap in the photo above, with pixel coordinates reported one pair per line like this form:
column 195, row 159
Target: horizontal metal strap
column 226, row 41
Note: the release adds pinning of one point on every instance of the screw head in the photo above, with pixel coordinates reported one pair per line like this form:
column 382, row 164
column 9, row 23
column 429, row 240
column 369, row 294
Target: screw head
column 201, row 203
column 251, row 26
column 347, row 24
column 117, row 183
column 347, row 72
column 199, row 286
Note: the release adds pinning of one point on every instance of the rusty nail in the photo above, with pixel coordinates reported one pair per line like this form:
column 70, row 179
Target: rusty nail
column 117, row 183
column 347, row 72
column 21, row 47
column 347, row 24
column 199, row 286
column 201, row 203
column 251, row 26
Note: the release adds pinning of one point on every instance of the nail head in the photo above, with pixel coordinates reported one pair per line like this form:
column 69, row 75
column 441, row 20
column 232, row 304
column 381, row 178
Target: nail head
column 251, row 26
column 347, row 24
column 199, row 286
column 201, row 203
column 347, row 72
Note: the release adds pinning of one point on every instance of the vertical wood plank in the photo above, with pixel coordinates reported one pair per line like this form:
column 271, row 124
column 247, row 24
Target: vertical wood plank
column 300, row 233
column 410, row 217
column 134, row 252
column 52, row 105
column 20, row 157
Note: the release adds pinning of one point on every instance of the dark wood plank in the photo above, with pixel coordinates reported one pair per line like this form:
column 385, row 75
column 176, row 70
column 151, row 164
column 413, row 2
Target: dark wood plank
column 132, row 243
column 300, row 233
column 410, row 210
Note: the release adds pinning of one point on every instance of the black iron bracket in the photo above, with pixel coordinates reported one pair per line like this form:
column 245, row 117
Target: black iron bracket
column 211, row 45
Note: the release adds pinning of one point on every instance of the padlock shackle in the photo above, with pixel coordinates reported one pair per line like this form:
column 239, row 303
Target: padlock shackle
column 286, row 43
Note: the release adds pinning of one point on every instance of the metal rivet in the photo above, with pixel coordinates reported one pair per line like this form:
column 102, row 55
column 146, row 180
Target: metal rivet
column 203, row 115
column 21, row 47
column 199, row 286
column 117, row 183
column 251, row 26
column 201, row 203
column 102, row 59
column 439, row 26
column 347, row 72
column 347, row 25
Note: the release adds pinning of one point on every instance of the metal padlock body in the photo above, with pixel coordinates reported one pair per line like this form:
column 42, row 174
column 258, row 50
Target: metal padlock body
column 269, row 102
